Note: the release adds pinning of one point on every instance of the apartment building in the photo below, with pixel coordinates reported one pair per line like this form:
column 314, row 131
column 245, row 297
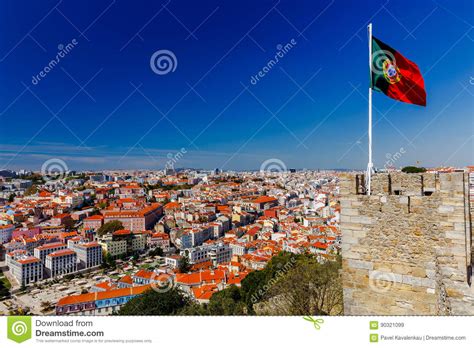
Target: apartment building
column 88, row 254
column 217, row 253
column 123, row 242
column 161, row 240
column 114, row 248
column 93, row 222
column 6, row 232
column 61, row 262
column 25, row 268
column 42, row 251
column 136, row 220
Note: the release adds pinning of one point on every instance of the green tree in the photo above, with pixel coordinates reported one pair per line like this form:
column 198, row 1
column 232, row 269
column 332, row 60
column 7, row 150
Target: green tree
column 11, row 197
column 33, row 189
column 151, row 302
column 69, row 224
column 156, row 252
column 108, row 261
column 308, row 288
column 413, row 169
column 110, row 227
column 184, row 265
column 227, row 302
column 4, row 291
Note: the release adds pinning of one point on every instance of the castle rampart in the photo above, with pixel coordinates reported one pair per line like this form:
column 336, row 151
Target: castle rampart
column 407, row 248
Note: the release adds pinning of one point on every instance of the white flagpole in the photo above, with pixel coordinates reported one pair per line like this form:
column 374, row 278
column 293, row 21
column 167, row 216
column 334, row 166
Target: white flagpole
column 370, row 165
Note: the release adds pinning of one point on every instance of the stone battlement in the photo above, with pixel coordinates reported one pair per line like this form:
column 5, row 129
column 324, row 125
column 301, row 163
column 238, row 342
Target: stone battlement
column 407, row 248
column 422, row 184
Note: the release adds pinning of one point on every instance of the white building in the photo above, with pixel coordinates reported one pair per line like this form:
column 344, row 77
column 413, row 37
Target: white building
column 6, row 233
column 25, row 268
column 42, row 251
column 88, row 254
column 217, row 253
column 61, row 262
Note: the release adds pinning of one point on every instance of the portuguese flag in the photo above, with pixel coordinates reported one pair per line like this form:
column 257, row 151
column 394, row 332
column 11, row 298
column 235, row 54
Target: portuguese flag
column 396, row 76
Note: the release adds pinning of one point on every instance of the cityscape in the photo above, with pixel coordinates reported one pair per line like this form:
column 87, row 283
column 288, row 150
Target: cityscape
column 116, row 234
column 299, row 165
column 82, row 243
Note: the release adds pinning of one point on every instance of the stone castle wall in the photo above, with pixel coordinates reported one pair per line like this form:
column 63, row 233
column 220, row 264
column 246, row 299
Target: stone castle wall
column 407, row 247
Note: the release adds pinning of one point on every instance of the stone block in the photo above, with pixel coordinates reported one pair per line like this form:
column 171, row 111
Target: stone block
column 361, row 264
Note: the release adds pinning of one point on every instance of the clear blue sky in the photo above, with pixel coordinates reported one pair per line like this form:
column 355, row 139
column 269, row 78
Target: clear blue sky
column 219, row 45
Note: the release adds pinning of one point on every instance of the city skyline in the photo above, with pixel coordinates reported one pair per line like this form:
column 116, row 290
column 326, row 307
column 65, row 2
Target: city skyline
column 102, row 106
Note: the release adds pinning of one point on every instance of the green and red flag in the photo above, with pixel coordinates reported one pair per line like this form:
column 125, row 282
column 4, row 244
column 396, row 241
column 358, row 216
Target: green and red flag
column 396, row 76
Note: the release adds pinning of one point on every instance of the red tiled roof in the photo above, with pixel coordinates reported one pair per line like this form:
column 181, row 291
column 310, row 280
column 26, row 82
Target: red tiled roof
column 121, row 232
column 50, row 246
column 94, row 217
column 102, row 295
column 61, row 253
column 264, row 199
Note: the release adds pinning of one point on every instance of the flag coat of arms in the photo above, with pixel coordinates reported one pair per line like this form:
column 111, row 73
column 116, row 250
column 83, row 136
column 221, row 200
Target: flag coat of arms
column 396, row 76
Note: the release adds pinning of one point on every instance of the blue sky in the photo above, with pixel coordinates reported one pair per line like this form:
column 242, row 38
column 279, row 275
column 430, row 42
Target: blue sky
column 103, row 107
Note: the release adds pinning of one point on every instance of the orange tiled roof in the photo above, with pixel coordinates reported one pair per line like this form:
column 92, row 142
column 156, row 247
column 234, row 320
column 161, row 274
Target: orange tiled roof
column 30, row 259
column 102, row 295
column 126, row 279
column 94, row 217
column 61, row 253
column 121, row 232
column 50, row 246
